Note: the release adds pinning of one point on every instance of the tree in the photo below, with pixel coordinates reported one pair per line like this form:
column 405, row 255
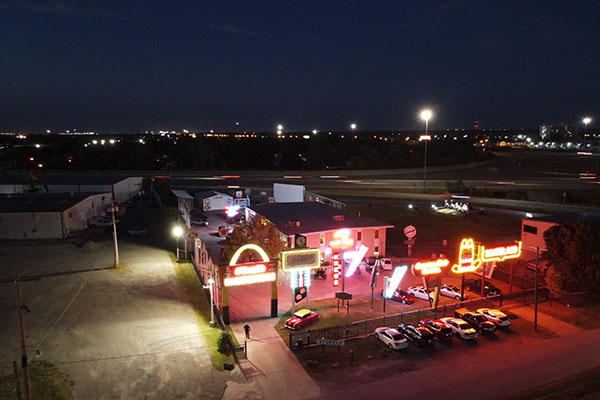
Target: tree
column 258, row 231
column 573, row 256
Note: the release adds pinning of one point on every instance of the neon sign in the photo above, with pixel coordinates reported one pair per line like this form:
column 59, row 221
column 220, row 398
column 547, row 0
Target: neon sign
column 300, row 259
column 232, row 211
column 395, row 280
column 343, row 239
column 299, row 278
column 425, row 268
column 250, row 269
column 357, row 257
column 336, row 269
column 468, row 259
column 501, row 253
column 245, row 274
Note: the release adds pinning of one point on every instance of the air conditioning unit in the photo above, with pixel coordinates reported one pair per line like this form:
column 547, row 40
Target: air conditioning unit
column 338, row 218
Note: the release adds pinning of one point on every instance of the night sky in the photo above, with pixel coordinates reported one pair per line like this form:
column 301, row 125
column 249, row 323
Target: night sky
column 142, row 65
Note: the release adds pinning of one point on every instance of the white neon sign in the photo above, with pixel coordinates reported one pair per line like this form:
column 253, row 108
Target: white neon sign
column 250, row 246
column 249, row 279
column 250, row 270
column 395, row 280
column 357, row 257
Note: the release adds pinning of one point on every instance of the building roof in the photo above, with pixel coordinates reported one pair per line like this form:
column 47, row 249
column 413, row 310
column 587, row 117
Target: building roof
column 313, row 217
column 209, row 193
column 182, row 194
column 561, row 219
column 75, row 178
column 41, row 202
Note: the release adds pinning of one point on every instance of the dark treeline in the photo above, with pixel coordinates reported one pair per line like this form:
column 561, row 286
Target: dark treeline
column 179, row 152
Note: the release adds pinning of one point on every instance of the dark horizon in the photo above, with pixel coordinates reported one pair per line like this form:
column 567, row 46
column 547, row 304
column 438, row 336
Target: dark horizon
column 140, row 66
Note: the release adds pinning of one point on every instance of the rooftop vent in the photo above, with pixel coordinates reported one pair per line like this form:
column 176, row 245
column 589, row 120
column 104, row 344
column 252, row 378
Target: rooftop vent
column 338, row 218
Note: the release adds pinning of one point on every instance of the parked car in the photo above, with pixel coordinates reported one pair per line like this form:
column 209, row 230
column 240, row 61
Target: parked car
column 402, row 296
column 451, row 291
column 320, row 273
column 439, row 328
column 391, row 338
column 460, row 328
column 137, row 231
column 420, row 293
column 370, row 263
column 386, row 264
column 474, row 285
column 476, row 320
column 301, row 318
column 495, row 316
column 419, row 335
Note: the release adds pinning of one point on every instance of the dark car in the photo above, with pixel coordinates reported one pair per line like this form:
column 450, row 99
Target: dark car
column 474, row 285
column 370, row 263
column 402, row 296
column 320, row 274
column 440, row 329
column 419, row 335
column 477, row 320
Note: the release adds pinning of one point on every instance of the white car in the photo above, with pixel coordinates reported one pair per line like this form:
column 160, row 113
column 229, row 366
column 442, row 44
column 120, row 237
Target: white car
column 495, row 316
column 460, row 327
column 451, row 291
column 391, row 337
column 386, row 264
column 420, row 293
column 137, row 231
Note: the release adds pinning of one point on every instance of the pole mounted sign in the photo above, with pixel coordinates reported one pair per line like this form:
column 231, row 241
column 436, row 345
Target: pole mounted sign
column 410, row 231
column 300, row 259
column 501, row 253
column 468, row 259
column 433, row 267
column 248, row 273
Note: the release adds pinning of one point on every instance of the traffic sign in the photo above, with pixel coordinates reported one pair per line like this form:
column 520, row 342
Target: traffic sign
column 410, row 231
column 330, row 342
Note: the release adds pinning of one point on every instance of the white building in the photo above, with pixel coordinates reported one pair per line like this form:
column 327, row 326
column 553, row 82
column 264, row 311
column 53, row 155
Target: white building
column 209, row 200
column 49, row 216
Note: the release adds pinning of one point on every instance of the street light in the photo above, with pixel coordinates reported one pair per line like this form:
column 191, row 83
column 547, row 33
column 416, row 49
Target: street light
column 177, row 232
column 212, row 306
column 586, row 121
column 353, row 126
column 425, row 115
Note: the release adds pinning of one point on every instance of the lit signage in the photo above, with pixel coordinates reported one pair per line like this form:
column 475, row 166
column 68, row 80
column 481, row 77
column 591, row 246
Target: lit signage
column 299, row 278
column 434, row 267
column 468, row 259
column 501, row 253
column 232, row 211
column 248, row 273
column 395, row 280
column 300, row 259
column 424, row 137
column 356, row 258
column 342, row 238
column 336, row 269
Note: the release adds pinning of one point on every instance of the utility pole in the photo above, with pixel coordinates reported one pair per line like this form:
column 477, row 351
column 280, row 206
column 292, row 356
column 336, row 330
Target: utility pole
column 537, row 256
column 114, row 208
column 24, row 365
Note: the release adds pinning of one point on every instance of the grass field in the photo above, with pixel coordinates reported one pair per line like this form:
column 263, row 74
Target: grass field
column 583, row 316
column 193, row 288
column 433, row 227
column 584, row 386
column 47, row 382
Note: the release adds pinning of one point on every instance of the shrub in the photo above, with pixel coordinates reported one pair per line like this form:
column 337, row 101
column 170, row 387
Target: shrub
column 223, row 344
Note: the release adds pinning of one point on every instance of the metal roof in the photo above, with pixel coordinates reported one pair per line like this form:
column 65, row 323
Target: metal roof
column 41, row 202
column 182, row 194
column 313, row 217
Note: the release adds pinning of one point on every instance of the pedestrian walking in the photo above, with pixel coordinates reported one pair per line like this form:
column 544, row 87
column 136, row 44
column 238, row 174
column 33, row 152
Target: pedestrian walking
column 247, row 330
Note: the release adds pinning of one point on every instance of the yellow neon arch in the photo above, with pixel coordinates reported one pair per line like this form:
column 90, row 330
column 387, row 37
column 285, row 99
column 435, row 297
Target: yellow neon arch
column 249, row 246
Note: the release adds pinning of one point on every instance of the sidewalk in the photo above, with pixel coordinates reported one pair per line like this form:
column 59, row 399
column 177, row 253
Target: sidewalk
column 558, row 326
column 272, row 364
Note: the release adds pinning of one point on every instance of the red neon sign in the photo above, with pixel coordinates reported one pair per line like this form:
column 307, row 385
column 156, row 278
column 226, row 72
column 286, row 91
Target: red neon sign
column 501, row 253
column 343, row 238
column 250, row 269
column 336, row 270
column 425, row 268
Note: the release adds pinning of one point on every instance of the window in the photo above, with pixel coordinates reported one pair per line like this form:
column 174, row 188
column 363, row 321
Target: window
column 530, row 229
column 322, row 239
column 358, row 236
column 376, row 250
column 376, row 233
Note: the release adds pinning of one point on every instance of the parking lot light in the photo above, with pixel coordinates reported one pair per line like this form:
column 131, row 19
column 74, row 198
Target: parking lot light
column 177, row 232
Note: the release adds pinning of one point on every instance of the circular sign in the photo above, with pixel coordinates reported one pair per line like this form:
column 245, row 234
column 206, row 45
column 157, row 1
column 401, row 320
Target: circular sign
column 445, row 242
column 410, row 231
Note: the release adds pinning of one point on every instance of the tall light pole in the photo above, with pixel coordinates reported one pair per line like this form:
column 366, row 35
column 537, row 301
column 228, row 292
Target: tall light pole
column 353, row 126
column 212, row 307
column 177, row 232
column 279, row 129
column 425, row 115
column 586, row 121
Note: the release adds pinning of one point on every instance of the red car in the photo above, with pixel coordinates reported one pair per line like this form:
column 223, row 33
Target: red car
column 439, row 328
column 301, row 318
column 402, row 297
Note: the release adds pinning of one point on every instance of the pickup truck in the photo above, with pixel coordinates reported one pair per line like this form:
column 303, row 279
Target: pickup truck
column 476, row 320
column 474, row 285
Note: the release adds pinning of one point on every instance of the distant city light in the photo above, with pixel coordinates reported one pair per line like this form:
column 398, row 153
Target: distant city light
column 279, row 127
column 306, row 136
column 587, row 120
column 47, row 130
column 410, row 206
column 112, row 141
column 40, row 165
column 314, row 131
column 37, row 146
column 352, row 126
